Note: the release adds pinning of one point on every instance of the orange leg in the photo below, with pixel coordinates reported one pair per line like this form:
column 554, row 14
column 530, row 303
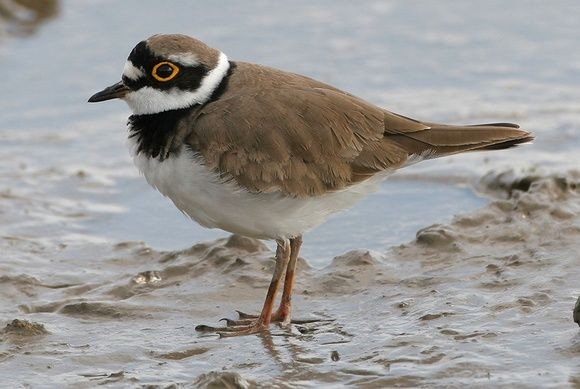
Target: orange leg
column 283, row 256
column 261, row 323
column 284, row 312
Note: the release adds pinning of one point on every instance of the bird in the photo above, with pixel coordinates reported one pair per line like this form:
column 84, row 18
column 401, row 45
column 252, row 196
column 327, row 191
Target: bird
column 266, row 153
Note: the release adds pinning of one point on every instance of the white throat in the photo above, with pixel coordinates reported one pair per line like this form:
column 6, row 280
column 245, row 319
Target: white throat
column 148, row 100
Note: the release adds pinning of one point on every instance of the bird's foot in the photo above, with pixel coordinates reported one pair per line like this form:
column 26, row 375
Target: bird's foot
column 236, row 327
column 248, row 324
column 280, row 316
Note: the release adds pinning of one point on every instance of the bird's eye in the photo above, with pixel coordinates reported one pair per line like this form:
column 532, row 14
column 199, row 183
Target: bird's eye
column 164, row 71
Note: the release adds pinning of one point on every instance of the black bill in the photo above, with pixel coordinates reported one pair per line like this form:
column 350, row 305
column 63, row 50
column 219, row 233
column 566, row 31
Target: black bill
column 115, row 91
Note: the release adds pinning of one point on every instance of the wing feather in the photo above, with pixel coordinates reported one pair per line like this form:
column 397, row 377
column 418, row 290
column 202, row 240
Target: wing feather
column 300, row 141
column 282, row 132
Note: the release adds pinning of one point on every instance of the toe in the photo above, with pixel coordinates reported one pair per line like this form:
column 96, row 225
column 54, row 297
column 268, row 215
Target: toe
column 243, row 315
column 230, row 332
column 205, row 328
column 236, row 323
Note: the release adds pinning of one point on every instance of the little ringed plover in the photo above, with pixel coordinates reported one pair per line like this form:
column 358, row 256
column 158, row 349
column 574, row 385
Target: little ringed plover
column 265, row 153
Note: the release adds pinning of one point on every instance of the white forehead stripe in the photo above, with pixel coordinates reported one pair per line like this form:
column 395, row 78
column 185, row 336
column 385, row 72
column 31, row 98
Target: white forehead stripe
column 148, row 100
column 185, row 59
column 132, row 72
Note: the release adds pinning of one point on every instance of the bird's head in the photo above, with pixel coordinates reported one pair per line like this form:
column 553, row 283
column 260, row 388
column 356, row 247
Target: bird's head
column 167, row 72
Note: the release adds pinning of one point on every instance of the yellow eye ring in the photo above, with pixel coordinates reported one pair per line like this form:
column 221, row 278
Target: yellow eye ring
column 174, row 71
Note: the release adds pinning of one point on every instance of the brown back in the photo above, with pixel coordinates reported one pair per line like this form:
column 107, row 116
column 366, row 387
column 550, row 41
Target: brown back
column 276, row 131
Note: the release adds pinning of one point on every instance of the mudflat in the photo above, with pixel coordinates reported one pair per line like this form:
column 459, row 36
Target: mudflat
column 102, row 281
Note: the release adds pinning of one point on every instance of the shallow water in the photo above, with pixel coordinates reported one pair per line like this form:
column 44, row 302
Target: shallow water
column 484, row 298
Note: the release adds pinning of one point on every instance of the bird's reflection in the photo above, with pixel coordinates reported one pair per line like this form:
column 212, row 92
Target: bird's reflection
column 291, row 350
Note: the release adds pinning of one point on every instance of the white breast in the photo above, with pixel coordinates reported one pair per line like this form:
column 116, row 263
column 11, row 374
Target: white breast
column 215, row 203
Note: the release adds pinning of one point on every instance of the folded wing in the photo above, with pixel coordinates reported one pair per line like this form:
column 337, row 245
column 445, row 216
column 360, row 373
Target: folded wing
column 309, row 141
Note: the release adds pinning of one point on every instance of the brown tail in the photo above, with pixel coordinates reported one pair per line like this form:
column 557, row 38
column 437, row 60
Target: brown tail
column 439, row 140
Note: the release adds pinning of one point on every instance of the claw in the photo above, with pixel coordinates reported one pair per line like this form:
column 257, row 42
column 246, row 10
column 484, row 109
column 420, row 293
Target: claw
column 243, row 315
column 237, row 323
column 205, row 328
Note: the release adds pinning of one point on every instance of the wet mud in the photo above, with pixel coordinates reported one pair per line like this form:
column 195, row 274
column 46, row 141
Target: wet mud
column 485, row 299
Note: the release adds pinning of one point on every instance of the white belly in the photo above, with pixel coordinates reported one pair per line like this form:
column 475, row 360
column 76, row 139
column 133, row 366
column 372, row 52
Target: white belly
column 215, row 203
